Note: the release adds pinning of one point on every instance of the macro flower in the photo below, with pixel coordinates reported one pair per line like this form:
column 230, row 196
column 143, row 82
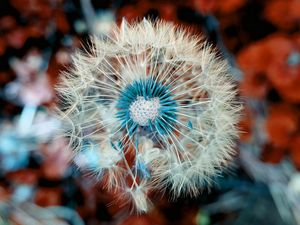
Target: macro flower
column 149, row 108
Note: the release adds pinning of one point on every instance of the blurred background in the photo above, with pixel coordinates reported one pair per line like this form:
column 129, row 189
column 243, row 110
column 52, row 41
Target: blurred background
column 260, row 39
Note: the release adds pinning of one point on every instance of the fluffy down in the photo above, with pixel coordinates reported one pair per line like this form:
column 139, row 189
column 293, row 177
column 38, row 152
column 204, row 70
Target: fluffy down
column 150, row 107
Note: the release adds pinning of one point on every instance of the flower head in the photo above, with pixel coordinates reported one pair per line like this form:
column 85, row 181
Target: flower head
column 150, row 107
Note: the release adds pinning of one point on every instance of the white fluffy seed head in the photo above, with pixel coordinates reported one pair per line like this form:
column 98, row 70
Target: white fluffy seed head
column 201, row 139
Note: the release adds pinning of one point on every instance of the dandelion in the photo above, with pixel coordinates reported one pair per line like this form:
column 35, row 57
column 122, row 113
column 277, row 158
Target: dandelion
column 150, row 107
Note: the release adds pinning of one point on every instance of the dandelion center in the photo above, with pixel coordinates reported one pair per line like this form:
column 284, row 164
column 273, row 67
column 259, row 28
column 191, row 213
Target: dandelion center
column 142, row 111
column 147, row 103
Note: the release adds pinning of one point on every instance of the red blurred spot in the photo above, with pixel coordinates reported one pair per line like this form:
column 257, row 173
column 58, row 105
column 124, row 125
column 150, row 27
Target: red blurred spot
column 272, row 154
column 61, row 21
column 7, row 23
column 283, row 13
column 295, row 151
column 2, row 46
column 26, row 176
column 205, row 6
column 48, row 196
column 282, row 124
column 16, row 38
column 253, row 60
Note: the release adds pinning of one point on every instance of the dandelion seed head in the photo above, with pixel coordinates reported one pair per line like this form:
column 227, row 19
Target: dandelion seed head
column 156, row 106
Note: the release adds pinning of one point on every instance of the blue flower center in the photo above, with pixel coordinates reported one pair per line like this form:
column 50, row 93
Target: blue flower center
column 147, row 104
